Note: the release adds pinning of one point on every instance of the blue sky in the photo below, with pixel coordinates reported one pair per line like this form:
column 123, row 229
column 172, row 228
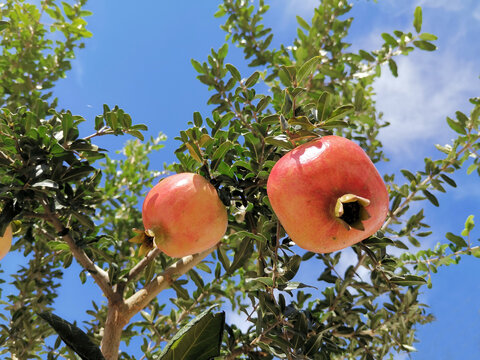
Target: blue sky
column 139, row 58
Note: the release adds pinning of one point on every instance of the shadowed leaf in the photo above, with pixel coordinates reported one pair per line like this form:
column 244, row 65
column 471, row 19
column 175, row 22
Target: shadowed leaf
column 75, row 338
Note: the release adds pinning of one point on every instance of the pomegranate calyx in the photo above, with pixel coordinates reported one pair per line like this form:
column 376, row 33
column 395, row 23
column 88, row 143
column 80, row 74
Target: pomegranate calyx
column 350, row 211
column 158, row 235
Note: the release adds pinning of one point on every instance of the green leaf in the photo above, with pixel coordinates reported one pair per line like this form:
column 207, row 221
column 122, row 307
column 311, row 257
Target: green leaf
column 469, row 225
column 431, row 197
column 427, row 37
column 222, row 150
column 181, row 292
column 252, row 80
column 197, row 119
column 200, row 339
column 222, row 256
column 448, row 180
column 75, row 338
column 270, row 119
column 340, row 112
column 417, row 19
column 381, row 242
column 389, row 39
column 3, row 25
column 462, row 118
column 456, row 126
column 262, row 104
column 366, row 55
column 233, row 70
column 197, row 66
column 280, row 141
column 287, row 74
column 223, row 51
column 393, row 67
column 194, row 151
column 472, row 168
column 457, row 240
column 308, row 68
column 84, row 220
column 408, row 280
column 424, row 45
column 409, row 175
column 149, row 271
column 263, row 280
column 77, row 173
column 303, row 122
column 68, row 10
column 292, row 267
column 136, row 134
column 303, row 23
column 323, row 106
column 242, row 254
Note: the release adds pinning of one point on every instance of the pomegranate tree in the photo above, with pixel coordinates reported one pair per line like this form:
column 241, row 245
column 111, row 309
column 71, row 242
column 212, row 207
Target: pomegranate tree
column 327, row 194
column 185, row 215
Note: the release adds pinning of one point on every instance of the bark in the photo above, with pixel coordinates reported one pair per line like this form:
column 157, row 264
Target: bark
column 112, row 332
column 142, row 297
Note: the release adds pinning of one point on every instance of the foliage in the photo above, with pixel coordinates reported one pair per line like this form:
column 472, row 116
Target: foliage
column 69, row 199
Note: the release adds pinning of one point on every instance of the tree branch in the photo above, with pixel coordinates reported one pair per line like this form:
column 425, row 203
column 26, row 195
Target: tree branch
column 99, row 275
column 142, row 297
column 135, row 272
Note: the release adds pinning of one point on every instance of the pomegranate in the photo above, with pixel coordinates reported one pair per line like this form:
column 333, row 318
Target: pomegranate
column 327, row 194
column 6, row 242
column 185, row 214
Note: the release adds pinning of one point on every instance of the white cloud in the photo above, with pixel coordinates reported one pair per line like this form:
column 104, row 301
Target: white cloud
column 428, row 89
column 348, row 259
column 232, row 317
column 449, row 5
column 303, row 8
column 476, row 13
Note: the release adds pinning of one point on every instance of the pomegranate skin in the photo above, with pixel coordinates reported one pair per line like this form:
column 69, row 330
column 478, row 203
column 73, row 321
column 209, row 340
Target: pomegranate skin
column 305, row 184
column 6, row 241
column 185, row 213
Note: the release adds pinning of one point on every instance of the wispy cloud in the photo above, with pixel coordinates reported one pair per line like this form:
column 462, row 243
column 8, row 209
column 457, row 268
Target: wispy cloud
column 303, row 8
column 428, row 89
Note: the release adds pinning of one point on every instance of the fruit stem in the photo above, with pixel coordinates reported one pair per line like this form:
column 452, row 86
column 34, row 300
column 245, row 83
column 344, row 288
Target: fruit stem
column 350, row 211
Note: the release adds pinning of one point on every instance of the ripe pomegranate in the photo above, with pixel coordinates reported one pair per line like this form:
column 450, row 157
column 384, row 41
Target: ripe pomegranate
column 6, row 242
column 185, row 214
column 327, row 194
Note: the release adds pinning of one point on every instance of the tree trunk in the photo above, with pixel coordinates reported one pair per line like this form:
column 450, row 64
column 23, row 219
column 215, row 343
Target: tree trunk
column 112, row 332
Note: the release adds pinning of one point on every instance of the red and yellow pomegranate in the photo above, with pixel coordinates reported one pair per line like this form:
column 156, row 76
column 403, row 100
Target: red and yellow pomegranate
column 185, row 214
column 6, row 241
column 327, row 194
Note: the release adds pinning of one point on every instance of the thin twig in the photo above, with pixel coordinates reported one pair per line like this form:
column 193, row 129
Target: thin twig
column 99, row 275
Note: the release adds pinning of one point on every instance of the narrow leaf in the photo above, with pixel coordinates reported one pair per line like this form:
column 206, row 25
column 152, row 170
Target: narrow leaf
column 340, row 112
column 408, row 280
column 431, row 197
column 308, row 68
column 424, row 45
column 457, row 127
column 194, row 151
column 222, row 150
column 233, row 70
column 393, row 67
column 448, row 180
column 252, row 80
column 75, row 338
column 417, row 19
column 457, row 240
